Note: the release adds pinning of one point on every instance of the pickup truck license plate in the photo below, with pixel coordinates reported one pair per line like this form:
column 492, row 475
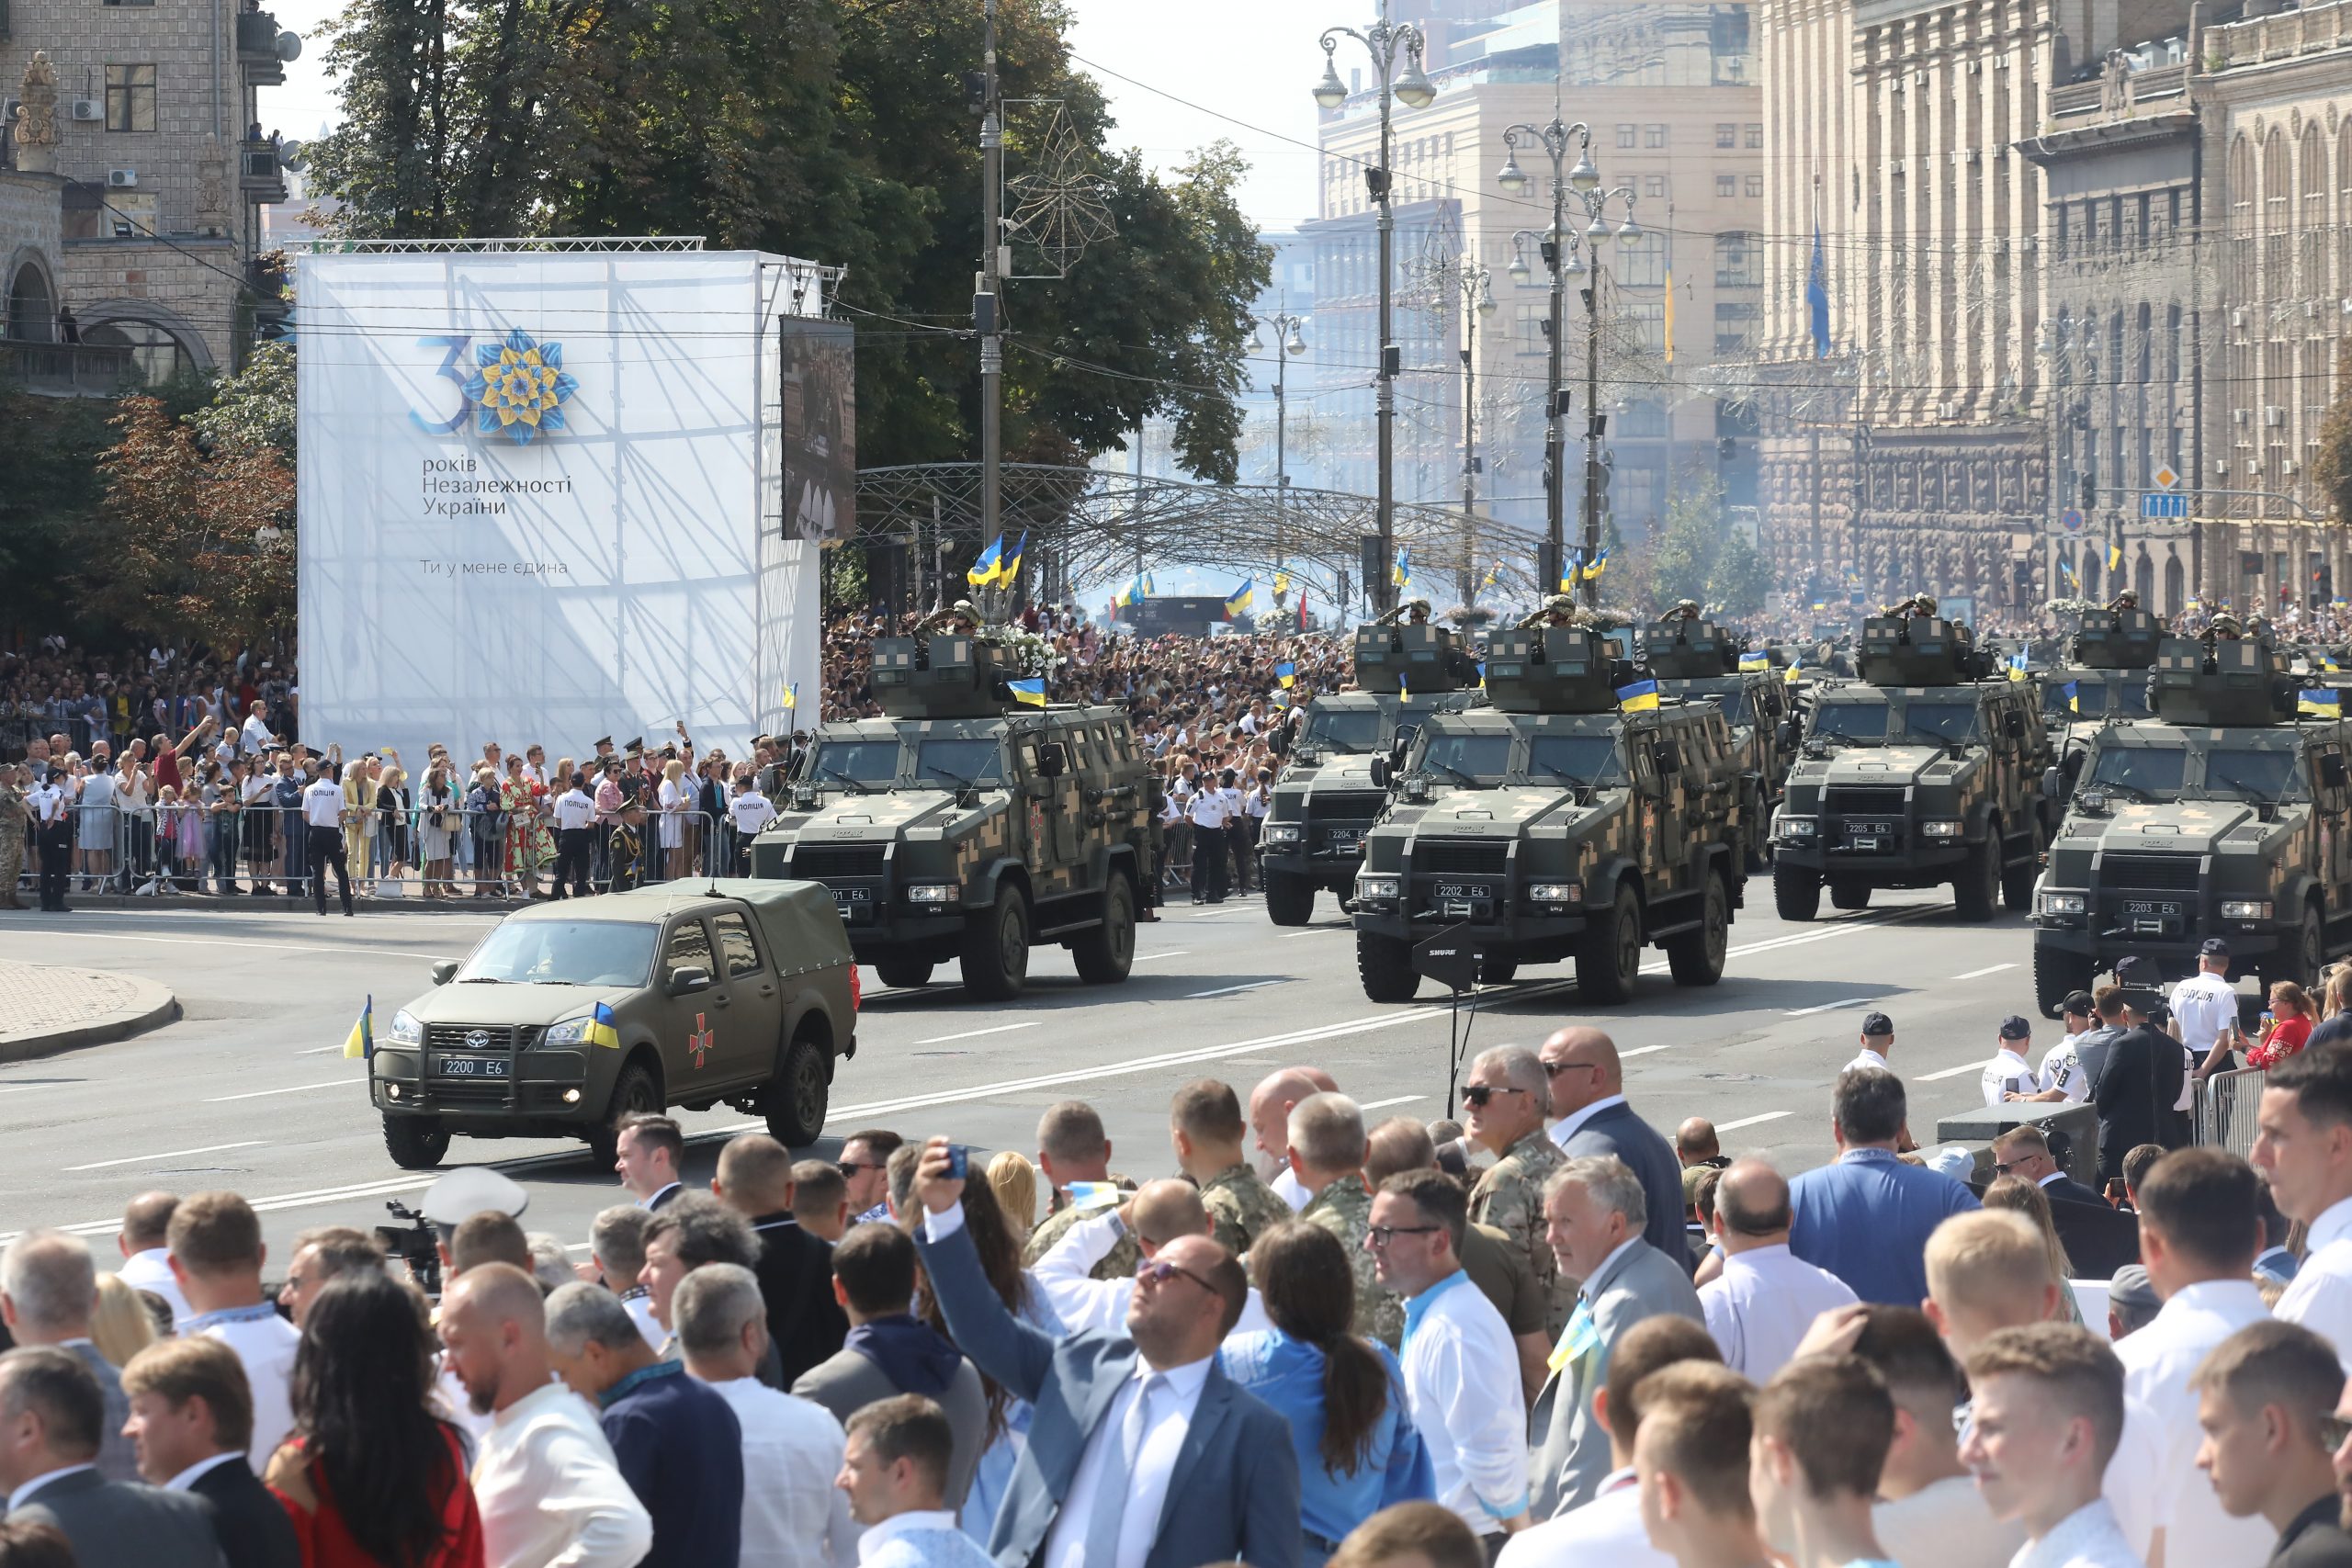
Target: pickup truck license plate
column 472, row 1066
column 1876, row 829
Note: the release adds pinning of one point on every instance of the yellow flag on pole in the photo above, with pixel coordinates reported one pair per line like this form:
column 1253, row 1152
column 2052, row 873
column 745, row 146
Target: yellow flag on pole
column 1669, row 315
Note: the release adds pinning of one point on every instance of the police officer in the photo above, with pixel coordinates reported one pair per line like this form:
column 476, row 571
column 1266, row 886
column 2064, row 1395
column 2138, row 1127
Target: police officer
column 575, row 811
column 52, row 839
column 322, row 811
column 626, row 846
column 1210, row 811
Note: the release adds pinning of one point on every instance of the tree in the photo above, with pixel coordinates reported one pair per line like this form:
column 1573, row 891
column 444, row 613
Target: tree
column 1742, row 577
column 255, row 407
column 51, row 487
column 1684, row 562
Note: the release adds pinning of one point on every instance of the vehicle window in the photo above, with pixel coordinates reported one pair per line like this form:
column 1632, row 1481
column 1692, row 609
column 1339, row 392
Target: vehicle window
column 1733, row 704
column 1344, row 729
column 689, row 948
column 735, row 942
column 1862, row 721
column 2252, row 776
column 562, row 953
column 962, row 761
column 1583, row 758
column 874, row 763
column 1082, row 751
column 1935, row 723
column 2155, row 770
column 1465, row 758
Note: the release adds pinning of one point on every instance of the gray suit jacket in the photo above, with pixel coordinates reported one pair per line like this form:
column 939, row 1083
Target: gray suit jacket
column 847, row 1383
column 115, row 1524
column 1619, row 1131
column 118, row 1458
column 1569, row 1445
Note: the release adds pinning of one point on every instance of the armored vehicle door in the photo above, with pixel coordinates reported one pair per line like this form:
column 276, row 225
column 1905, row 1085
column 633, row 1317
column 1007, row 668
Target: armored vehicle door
column 747, row 1002
column 2330, row 772
column 1055, row 797
column 694, row 1023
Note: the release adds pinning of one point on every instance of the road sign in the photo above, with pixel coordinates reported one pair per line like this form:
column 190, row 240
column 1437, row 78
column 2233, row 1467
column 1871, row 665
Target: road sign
column 2165, row 477
column 2071, row 520
column 2164, row 505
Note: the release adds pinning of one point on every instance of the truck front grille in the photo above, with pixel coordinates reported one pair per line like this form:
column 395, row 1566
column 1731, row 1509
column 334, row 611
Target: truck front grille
column 1872, row 801
column 1364, row 803
column 815, row 863
column 2163, row 873
column 1464, row 856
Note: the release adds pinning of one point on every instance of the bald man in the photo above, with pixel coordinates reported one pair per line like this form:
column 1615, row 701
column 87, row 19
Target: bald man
column 1760, row 1306
column 1587, row 1085
column 1271, row 1104
column 1159, row 1213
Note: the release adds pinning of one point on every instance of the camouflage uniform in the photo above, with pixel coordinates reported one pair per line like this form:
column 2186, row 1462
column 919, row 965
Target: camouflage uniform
column 1241, row 1207
column 13, row 817
column 1344, row 1209
column 1509, row 1196
column 1120, row 1263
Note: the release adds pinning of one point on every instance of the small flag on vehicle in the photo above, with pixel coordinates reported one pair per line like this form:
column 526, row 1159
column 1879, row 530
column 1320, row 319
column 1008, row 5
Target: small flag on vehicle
column 1639, row 697
column 361, row 1044
column 1030, row 691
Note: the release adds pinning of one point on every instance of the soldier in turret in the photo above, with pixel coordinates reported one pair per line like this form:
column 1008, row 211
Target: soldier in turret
column 1559, row 610
column 2223, row 628
column 1412, row 612
column 1684, row 610
column 2127, row 599
column 960, row 617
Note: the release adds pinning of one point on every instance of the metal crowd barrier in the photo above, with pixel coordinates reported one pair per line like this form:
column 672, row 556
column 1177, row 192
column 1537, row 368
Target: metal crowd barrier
column 2226, row 1107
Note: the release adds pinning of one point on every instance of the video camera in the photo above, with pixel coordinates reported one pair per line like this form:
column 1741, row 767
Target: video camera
column 415, row 1243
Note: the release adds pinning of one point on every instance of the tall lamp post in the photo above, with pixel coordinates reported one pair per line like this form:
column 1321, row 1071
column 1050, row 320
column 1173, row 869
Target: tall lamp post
column 1397, row 49
column 1476, row 286
column 1290, row 339
column 1562, row 255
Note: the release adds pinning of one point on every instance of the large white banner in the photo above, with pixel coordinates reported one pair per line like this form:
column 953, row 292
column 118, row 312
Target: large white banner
column 541, row 501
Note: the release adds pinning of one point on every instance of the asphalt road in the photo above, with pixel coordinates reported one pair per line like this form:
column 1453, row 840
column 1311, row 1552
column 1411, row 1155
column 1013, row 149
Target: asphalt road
column 250, row 1090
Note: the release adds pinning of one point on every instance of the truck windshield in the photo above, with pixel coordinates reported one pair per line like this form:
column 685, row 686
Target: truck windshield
column 562, row 952
column 2250, row 775
column 1938, row 722
column 870, row 762
column 1465, row 757
column 2092, row 699
column 1587, row 759
column 2154, row 770
column 1353, row 730
column 967, row 761
column 1860, row 721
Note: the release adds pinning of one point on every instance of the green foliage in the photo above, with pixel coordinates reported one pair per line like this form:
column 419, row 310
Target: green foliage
column 1683, row 563
column 1742, row 578
column 51, row 489
column 255, row 407
column 2332, row 467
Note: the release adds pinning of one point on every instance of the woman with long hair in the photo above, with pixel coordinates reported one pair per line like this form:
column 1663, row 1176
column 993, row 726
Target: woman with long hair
column 436, row 806
column 673, row 800
column 372, row 1477
column 1343, row 1396
column 122, row 1326
column 2021, row 1196
column 2289, row 1028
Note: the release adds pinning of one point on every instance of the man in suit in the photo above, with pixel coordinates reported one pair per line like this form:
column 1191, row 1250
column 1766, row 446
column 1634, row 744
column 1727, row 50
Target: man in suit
column 1867, row 1217
column 1142, row 1453
column 1588, row 1084
column 2025, row 1151
column 1594, row 1212
column 50, row 1416
column 191, row 1417
column 650, row 1149
column 49, row 1288
column 806, row 1324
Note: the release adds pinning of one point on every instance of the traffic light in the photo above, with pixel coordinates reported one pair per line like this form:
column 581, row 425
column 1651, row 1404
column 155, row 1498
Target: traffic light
column 2090, row 492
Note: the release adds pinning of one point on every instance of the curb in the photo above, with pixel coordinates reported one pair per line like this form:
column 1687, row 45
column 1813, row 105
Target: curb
column 155, row 1006
column 282, row 906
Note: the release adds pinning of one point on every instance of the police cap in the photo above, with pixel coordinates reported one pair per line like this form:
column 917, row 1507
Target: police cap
column 474, row 1190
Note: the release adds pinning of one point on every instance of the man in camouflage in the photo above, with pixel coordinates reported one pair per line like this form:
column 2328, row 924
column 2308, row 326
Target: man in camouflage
column 1327, row 1154
column 15, row 816
column 1073, row 1150
column 1205, row 1126
column 1505, row 1098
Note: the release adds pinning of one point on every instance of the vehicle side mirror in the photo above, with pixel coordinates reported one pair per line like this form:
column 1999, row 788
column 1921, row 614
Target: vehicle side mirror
column 1052, row 762
column 2053, row 784
column 1380, row 772
column 686, row 981
column 1667, row 758
column 2332, row 771
column 444, row 970
column 1788, row 732
column 2013, row 725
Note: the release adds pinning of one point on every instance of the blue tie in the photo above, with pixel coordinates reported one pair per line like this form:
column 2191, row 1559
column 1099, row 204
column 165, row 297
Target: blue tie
column 1111, row 1488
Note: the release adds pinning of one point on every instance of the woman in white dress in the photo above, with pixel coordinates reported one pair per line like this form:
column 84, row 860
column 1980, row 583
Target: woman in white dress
column 675, row 800
column 93, row 841
column 133, row 794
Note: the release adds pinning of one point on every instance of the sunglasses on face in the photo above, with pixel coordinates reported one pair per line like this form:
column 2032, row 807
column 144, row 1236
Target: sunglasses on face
column 1382, row 1237
column 1477, row 1094
column 1157, row 1271
column 850, row 1167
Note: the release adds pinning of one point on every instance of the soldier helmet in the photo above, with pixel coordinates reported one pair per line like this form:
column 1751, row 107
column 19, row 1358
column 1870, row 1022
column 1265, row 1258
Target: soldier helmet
column 2226, row 623
column 1685, row 607
column 1560, row 601
column 2127, row 599
column 963, row 608
column 1924, row 604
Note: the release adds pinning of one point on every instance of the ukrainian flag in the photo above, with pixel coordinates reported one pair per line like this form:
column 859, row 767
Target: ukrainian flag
column 1031, row 693
column 1639, row 697
column 2073, row 697
column 1495, row 572
column 1401, row 574
column 2114, row 557
column 2321, row 702
column 603, row 1029
column 1282, row 583
column 2016, row 665
column 1754, row 663
column 1010, row 567
column 1287, row 673
column 2066, row 571
column 1600, row 564
column 1404, row 686
column 983, row 569
column 1574, row 570
column 1238, row 601
column 2327, row 661
column 1790, row 675
column 792, row 697
column 361, row 1042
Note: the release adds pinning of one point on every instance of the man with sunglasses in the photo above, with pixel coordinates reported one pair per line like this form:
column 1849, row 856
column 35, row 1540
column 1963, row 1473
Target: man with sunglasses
column 1504, row 1101
column 865, row 1166
column 1586, row 1080
column 1158, row 1213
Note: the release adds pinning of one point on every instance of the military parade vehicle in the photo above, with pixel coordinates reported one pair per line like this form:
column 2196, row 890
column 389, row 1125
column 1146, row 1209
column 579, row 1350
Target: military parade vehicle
column 1697, row 661
column 568, row 1017
column 966, row 825
column 2223, row 814
column 1324, row 801
column 1557, row 824
column 2107, row 678
column 1924, row 772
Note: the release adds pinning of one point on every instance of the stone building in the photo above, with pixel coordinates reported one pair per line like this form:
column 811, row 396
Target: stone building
column 159, row 165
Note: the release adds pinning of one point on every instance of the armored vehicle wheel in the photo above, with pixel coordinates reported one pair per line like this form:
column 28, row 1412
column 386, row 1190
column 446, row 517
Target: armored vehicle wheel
column 1495, row 971
column 1610, row 961
column 903, row 971
column 1850, row 895
column 1106, row 954
column 1696, row 957
column 1976, row 892
column 635, row 1092
column 2017, row 881
column 2057, row 972
column 793, row 1100
column 2303, row 961
column 1290, row 898
column 1385, row 964
column 1797, row 892
column 415, row 1143
column 995, row 960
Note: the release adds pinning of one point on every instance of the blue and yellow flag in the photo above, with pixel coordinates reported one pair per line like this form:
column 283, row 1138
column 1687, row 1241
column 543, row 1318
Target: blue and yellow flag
column 1599, row 564
column 1010, row 567
column 360, row 1045
column 1031, row 691
column 2114, row 557
column 2016, row 665
column 1401, row 574
column 2066, row 572
column 2073, row 697
column 1404, row 686
column 1281, row 582
column 2322, row 701
column 1238, row 601
column 983, row 569
column 1639, row 697
column 1754, row 662
column 1287, row 673
column 1494, row 574
column 1789, row 676
column 1572, row 571
column 603, row 1029
column 792, row 697
column 1482, row 675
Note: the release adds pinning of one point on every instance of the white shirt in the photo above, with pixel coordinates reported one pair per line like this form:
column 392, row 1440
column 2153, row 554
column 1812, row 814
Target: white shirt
column 1173, row 1395
column 188, row 1477
column 1462, row 1385
column 16, row 1498
column 48, row 802
column 919, row 1522
column 550, row 1492
column 2320, row 1295
column 1868, row 1058
column 255, row 735
column 751, row 811
column 2158, row 1361
column 1085, row 1303
column 2087, row 1537
column 2007, row 1072
column 2206, row 1004
column 1568, row 1126
column 322, row 804
column 266, row 1346
column 1762, row 1304
column 2061, row 1071
column 1946, row 1524
column 1286, row 1187
column 1607, row 1530
column 794, row 1517
column 2132, row 1476
column 574, row 810
column 1209, row 809
column 152, row 1270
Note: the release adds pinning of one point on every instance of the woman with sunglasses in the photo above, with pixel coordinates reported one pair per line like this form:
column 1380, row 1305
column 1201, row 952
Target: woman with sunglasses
column 1344, row 1397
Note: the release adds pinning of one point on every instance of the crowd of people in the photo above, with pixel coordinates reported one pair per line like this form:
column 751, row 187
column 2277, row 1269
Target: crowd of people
column 1548, row 1336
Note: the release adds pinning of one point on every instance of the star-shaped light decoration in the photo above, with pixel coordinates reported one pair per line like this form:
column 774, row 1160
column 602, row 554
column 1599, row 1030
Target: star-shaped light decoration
column 518, row 387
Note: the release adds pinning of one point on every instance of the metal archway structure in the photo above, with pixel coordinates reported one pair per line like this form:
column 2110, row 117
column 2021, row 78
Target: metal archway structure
column 1092, row 529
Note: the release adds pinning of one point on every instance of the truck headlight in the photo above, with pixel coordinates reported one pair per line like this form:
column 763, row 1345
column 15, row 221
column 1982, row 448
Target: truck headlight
column 2246, row 908
column 571, row 1032
column 1556, row 893
column 2061, row 903
column 406, row 1029
column 931, row 893
column 1375, row 887
column 1281, row 832
column 1800, row 827
column 1945, row 829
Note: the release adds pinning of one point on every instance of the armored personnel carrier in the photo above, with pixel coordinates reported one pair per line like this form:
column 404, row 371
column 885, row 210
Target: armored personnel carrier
column 1926, row 771
column 1698, row 661
column 1326, row 800
column 966, row 825
column 1555, row 825
column 2106, row 679
column 2222, row 815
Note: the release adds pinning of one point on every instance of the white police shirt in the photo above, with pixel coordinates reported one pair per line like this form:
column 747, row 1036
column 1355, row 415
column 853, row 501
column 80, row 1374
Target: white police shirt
column 322, row 804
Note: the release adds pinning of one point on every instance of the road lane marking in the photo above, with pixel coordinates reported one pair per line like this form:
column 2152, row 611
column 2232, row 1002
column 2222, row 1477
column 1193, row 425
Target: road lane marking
column 1953, row 1072
column 1980, row 974
column 224, row 942
column 169, row 1154
column 1642, row 1051
column 1237, row 990
column 1384, row 1104
column 295, row 1088
column 1171, row 952
column 1831, row 1006
column 1751, row 1121
column 976, row 1033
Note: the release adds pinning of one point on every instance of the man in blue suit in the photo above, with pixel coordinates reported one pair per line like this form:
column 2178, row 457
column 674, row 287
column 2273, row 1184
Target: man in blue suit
column 1141, row 1453
column 1588, row 1097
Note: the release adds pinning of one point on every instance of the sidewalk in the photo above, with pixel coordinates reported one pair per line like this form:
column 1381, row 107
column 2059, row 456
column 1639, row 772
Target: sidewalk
column 44, row 1009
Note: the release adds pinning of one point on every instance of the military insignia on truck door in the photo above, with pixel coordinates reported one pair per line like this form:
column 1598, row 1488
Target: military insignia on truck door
column 699, row 1043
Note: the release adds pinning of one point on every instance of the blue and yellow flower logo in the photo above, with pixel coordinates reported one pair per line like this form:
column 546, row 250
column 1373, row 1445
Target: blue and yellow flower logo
column 518, row 387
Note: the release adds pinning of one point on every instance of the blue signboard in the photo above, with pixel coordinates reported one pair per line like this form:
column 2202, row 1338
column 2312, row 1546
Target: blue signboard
column 2167, row 505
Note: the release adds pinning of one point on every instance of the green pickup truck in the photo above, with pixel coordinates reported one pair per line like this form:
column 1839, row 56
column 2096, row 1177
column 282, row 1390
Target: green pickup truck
column 569, row 1016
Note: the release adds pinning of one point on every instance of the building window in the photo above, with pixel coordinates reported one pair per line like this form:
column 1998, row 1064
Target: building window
column 1734, row 322
column 1727, row 136
column 1756, row 136
column 1755, row 185
column 1726, row 184
column 1654, row 186
column 1527, row 332
column 1739, row 262
column 1625, row 135
column 131, row 97
column 1654, row 136
column 1640, row 262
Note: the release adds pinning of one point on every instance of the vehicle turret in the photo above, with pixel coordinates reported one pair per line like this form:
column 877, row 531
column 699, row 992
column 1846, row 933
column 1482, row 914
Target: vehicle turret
column 1683, row 649
column 1552, row 670
column 951, row 675
column 2118, row 639
column 1916, row 650
column 1418, row 659
column 2226, row 683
